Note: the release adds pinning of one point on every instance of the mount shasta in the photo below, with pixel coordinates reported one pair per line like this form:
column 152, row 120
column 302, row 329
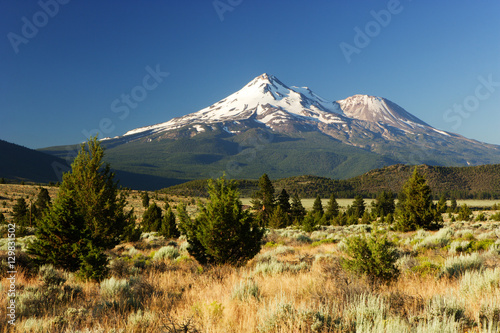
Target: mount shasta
column 269, row 127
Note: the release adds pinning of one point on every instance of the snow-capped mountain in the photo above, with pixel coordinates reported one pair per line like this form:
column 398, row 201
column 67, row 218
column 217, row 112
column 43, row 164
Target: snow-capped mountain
column 266, row 100
column 363, row 121
column 270, row 127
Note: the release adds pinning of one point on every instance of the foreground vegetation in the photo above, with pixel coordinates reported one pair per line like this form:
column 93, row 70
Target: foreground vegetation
column 449, row 282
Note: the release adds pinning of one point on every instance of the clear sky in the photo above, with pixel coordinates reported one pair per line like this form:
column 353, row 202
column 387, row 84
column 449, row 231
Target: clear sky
column 67, row 67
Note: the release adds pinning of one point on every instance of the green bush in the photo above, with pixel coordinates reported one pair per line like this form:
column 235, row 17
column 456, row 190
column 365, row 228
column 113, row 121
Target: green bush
column 374, row 257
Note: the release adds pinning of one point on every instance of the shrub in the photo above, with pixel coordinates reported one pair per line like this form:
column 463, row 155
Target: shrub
column 374, row 257
column 166, row 252
column 459, row 246
column 456, row 266
column 274, row 266
column 49, row 276
column 480, row 282
column 245, row 290
column 438, row 240
column 445, row 307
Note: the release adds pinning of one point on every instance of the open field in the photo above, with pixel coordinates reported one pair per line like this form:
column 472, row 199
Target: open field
column 308, row 203
column 449, row 282
column 295, row 284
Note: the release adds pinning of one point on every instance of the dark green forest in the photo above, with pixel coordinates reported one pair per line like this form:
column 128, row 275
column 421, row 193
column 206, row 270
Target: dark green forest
column 475, row 182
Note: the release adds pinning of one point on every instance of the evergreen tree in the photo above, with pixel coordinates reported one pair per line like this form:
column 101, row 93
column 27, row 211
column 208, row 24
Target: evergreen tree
column 332, row 208
column 358, row 206
column 145, row 199
column 317, row 208
column 297, row 210
column 20, row 213
column 152, row 218
column 442, row 205
column 222, row 233
column 168, row 226
column 284, row 201
column 263, row 201
column 2, row 180
column 453, row 206
column 279, row 218
column 2, row 218
column 42, row 203
column 384, row 204
column 61, row 236
column 415, row 205
column 91, row 195
column 465, row 213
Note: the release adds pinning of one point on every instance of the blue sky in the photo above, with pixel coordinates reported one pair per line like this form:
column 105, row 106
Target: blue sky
column 66, row 65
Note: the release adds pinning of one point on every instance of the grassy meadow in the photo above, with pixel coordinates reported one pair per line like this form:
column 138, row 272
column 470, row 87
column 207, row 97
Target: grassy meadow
column 449, row 282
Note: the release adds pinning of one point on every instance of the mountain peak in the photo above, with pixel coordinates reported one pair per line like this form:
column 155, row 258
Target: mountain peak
column 377, row 109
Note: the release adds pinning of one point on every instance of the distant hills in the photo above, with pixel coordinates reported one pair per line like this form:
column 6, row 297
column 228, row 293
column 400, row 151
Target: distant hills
column 284, row 131
column 19, row 163
column 479, row 182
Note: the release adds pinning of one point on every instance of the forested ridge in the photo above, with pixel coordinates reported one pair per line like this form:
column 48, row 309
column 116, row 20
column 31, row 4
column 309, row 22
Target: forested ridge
column 474, row 182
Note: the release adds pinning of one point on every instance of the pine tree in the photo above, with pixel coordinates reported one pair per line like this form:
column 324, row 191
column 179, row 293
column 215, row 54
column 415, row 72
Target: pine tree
column 95, row 221
column 453, row 206
column 145, row 199
column 2, row 218
column 297, row 210
column 279, row 218
column 318, row 207
column 61, row 236
column 263, row 201
column 415, row 205
column 20, row 213
column 152, row 218
column 358, row 206
column 442, row 206
column 169, row 227
column 222, row 233
column 42, row 203
column 284, row 201
column 384, row 204
column 332, row 208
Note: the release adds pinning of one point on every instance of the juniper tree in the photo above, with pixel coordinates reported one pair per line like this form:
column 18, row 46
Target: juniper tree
column 297, row 210
column 20, row 213
column 92, row 193
column 358, row 206
column 384, row 204
column 264, row 201
column 152, row 218
column 332, row 208
column 222, row 233
column 61, row 236
column 169, row 227
column 415, row 205
column 317, row 208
